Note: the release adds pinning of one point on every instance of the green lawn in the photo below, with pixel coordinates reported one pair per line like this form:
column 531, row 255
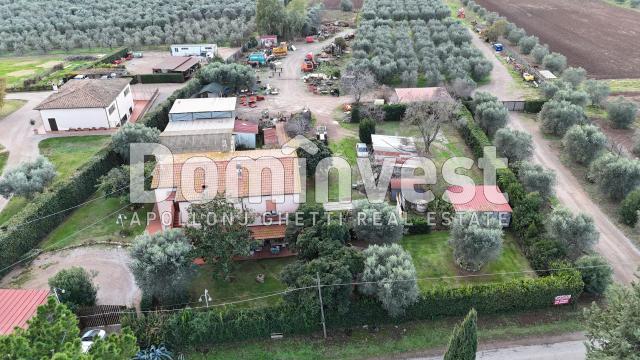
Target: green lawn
column 244, row 284
column 10, row 106
column 3, row 160
column 68, row 154
column 433, row 257
column 396, row 341
column 345, row 148
column 79, row 227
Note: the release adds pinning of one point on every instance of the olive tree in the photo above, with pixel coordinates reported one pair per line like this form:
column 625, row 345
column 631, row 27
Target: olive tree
column 558, row 116
column 539, row 52
column 130, row 134
column 575, row 97
column 161, row 265
column 555, row 62
column 596, row 273
column 598, row 91
column 615, row 175
column 234, row 76
column 527, row 43
column 491, row 115
column 28, row 178
column 535, row 178
column 346, row 5
column 463, row 88
column 476, row 238
column 377, row 223
column 577, row 232
column 574, row 76
column 622, row 112
column 514, row 145
column 516, row 35
column 630, row 208
column 390, row 276
column 584, row 143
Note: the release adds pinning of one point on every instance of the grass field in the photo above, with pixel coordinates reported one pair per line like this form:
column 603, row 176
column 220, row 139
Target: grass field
column 391, row 342
column 244, row 284
column 68, row 154
column 19, row 68
column 10, row 106
column 624, row 85
column 433, row 257
column 96, row 221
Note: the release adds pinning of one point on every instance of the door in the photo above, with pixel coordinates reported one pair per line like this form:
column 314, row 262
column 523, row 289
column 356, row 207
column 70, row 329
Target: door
column 52, row 124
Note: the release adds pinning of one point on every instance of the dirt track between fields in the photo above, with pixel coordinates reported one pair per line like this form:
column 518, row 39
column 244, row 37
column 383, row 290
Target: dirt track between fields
column 602, row 38
column 614, row 245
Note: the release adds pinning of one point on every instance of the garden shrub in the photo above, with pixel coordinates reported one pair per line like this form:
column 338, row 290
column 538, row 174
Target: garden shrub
column 630, row 207
column 394, row 112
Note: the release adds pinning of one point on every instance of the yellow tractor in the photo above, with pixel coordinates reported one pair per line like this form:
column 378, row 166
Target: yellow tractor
column 528, row 77
column 280, row 51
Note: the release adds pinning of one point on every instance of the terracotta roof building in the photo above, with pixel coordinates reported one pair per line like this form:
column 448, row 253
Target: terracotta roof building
column 17, row 306
column 480, row 198
column 80, row 94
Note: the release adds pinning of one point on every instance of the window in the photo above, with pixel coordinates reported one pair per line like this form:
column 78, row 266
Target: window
column 112, row 109
column 175, row 49
column 126, row 91
column 185, row 48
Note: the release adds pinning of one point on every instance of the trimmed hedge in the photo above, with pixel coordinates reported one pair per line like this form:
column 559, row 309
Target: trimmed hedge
column 160, row 78
column 108, row 59
column 394, row 112
column 190, row 329
column 534, row 106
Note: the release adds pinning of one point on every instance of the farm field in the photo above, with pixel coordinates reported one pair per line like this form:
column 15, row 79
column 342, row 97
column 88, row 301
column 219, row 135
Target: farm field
column 10, row 106
column 592, row 34
column 18, row 69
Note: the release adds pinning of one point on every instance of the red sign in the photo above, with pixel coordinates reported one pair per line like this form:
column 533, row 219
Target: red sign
column 562, row 300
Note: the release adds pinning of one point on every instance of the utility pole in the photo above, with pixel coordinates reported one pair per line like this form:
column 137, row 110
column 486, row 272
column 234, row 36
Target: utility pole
column 324, row 325
column 206, row 297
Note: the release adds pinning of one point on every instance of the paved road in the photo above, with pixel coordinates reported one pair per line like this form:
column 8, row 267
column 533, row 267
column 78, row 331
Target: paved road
column 294, row 95
column 613, row 245
column 571, row 350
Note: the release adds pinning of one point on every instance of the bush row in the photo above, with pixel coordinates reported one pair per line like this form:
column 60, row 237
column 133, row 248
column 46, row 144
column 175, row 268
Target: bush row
column 188, row 329
column 25, row 230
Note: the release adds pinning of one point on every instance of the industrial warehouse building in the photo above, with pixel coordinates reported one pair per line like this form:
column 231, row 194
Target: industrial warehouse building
column 201, row 124
column 88, row 105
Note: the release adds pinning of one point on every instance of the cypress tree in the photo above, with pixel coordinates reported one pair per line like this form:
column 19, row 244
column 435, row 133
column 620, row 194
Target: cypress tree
column 463, row 343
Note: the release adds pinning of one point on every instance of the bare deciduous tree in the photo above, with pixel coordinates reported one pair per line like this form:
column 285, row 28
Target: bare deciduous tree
column 357, row 82
column 428, row 117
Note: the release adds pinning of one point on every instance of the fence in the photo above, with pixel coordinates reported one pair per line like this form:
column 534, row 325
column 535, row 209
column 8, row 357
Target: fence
column 100, row 315
column 514, row 105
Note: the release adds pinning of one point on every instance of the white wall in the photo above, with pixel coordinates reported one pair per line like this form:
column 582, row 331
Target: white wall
column 75, row 118
column 124, row 103
column 193, row 50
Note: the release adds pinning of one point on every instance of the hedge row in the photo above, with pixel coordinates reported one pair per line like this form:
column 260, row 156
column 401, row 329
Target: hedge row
column 190, row 329
column 159, row 78
column 394, row 112
column 108, row 59
column 534, row 106
column 25, row 230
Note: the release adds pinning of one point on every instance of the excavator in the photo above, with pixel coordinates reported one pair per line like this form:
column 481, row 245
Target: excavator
column 309, row 64
column 280, row 51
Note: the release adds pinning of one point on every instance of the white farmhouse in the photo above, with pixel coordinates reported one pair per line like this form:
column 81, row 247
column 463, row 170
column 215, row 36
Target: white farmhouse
column 88, row 105
column 205, row 50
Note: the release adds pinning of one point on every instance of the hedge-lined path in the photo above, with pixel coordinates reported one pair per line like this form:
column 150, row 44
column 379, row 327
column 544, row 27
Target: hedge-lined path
column 115, row 282
column 614, row 245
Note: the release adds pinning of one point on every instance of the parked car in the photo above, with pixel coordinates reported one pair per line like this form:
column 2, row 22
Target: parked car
column 361, row 150
column 321, row 134
column 90, row 337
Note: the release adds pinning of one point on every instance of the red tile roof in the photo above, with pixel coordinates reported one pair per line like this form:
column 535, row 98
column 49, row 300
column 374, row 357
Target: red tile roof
column 270, row 136
column 479, row 201
column 248, row 127
column 17, row 306
column 263, row 232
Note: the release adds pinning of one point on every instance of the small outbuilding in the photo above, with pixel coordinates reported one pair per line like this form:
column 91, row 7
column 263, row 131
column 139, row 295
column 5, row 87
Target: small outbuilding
column 183, row 65
column 213, row 90
column 204, row 50
column 245, row 133
column 480, row 199
column 400, row 148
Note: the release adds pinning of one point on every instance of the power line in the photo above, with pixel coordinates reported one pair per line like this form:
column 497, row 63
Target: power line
column 316, row 285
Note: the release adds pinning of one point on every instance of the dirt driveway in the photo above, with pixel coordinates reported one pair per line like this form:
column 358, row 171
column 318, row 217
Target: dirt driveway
column 294, row 94
column 601, row 38
column 116, row 285
column 613, row 244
